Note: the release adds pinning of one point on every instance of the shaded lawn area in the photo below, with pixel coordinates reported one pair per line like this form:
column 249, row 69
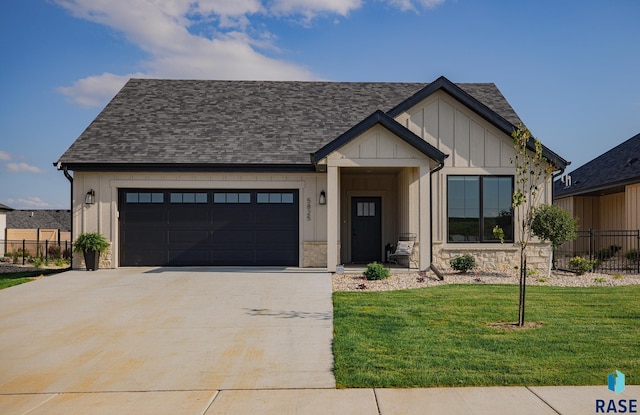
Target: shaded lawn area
column 16, row 278
column 441, row 336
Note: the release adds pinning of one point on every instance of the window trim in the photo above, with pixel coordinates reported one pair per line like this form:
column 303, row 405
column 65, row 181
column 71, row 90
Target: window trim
column 481, row 206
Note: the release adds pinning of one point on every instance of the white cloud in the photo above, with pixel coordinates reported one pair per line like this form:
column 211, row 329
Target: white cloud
column 310, row 8
column 4, row 156
column 22, row 168
column 201, row 39
column 26, row 203
column 414, row 5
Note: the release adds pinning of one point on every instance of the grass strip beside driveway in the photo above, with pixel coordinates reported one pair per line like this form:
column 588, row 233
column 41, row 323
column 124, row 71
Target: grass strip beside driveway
column 443, row 336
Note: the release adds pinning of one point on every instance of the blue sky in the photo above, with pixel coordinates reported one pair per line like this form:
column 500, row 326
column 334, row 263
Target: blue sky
column 569, row 68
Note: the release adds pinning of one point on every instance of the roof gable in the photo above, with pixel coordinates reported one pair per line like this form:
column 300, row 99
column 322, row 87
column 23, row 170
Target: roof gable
column 615, row 168
column 492, row 115
column 379, row 118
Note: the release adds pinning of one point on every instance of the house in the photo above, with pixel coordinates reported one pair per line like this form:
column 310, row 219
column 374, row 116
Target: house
column 604, row 194
column 308, row 174
column 3, row 226
column 36, row 227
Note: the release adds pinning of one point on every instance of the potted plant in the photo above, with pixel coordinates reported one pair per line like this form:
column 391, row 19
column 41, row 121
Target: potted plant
column 91, row 244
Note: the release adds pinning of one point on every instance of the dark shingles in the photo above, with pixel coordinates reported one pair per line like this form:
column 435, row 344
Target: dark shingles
column 39, row 219
column 239, row 122
column 616, row 167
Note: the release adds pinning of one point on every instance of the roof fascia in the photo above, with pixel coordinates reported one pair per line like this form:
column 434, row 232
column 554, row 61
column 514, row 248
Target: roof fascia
column 390, row 124
column 559, row 194
column 453, row 90
column 162, row 167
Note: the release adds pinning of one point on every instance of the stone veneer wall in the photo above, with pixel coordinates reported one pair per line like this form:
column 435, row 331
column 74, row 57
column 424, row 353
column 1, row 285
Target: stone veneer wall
column 105, row 260
column 503, row 258
column 314, row 254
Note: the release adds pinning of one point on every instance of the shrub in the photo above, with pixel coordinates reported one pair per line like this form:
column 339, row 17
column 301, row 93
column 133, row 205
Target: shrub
column 554, row 224
column 606, row 253
column 54, row 252
column 463, row 263
column 376, row 271
column 632, row 255
column 581, row 265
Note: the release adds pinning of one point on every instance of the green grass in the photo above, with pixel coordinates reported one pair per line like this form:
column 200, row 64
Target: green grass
column 16, row 278
column 441, row 336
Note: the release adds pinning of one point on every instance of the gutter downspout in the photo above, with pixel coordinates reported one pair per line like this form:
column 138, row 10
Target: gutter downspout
column 431, row 266
column 70, row 178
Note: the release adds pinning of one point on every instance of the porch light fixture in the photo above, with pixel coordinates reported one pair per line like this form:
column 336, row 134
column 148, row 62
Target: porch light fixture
column 323, row 198
column 90, row 197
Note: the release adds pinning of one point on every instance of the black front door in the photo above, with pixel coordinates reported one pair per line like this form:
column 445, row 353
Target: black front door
column 366, row 229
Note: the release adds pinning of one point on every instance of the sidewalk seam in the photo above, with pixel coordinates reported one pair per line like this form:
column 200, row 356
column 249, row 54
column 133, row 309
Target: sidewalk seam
column 213, row 399
column 545, row 402
column 375, row 396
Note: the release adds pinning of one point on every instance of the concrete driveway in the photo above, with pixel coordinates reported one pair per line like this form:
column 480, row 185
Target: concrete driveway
column 167, row 329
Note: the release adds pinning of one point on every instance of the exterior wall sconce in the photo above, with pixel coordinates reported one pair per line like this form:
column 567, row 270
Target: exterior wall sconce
column 323, row 198
column 90, row 197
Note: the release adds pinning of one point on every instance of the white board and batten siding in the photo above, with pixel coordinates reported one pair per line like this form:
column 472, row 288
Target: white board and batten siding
column 451, row 127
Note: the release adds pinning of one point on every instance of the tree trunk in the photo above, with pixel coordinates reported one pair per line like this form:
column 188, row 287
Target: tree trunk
column 523, row 286
column 550, row 261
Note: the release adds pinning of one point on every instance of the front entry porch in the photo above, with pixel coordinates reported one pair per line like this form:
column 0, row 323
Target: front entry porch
column 378, row 187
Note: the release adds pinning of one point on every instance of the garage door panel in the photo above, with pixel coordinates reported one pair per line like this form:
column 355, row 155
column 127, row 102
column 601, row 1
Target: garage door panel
column 145, row 216
column 276, row 236
column 194, row 217
column 232, row 237
column 189, row 237
column 190, row 256
column 215, row 228
column 234, row 256
column 275, row 256
column 145, row 257
column 145, row 235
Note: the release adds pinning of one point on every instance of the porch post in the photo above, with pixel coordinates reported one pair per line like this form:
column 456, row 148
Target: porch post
column 424, row 233
column 332, row 218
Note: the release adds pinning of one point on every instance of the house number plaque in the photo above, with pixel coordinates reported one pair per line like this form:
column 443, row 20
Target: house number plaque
column 308, row 209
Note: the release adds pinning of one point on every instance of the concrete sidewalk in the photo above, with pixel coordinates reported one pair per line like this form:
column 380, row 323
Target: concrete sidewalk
column 564, row 400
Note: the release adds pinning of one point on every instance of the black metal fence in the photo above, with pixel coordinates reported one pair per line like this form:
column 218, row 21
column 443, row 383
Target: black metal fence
column 24, row 251
column 611, row 251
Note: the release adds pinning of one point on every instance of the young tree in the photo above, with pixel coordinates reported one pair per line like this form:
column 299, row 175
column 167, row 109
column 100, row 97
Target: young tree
column 554, row 224
column 533, row 172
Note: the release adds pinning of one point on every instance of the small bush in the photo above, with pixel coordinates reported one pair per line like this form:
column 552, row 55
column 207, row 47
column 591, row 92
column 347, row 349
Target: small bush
column 54, row 252
column 542, row 279
column 376, row 271
column 617, row 276
column 463, row 263
column 606, row 253
column 38, row 262
column 600, row 280
column 632, row 255
column 581, row 265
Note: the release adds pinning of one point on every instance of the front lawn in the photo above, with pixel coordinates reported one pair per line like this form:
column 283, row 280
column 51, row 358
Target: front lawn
column 442, row 336
column 9, row 279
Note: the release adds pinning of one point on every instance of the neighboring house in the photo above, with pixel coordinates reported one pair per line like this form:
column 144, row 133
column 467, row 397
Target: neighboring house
column 309, row 174
column 34, row 227
column 3, row 226
column 604, row 194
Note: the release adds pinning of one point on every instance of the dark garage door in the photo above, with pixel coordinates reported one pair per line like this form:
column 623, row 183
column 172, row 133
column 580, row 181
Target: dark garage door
column 208, row 227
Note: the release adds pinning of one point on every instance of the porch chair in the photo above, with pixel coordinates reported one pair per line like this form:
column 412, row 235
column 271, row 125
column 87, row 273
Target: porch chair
column 404, row 249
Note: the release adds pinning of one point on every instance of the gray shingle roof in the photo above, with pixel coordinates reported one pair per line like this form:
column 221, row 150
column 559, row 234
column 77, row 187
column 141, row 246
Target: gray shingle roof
column 39, row 219
column 152, row 121
column 617, row 167
column 4, row 208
